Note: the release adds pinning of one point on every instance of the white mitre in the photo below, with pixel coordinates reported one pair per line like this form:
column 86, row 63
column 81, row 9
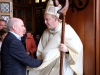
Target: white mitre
column 51, row 9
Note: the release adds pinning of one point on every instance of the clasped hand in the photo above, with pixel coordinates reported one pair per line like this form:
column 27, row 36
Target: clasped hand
column 63, row 47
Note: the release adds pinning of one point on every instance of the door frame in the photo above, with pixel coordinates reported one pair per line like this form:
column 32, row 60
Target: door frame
column 97, row 22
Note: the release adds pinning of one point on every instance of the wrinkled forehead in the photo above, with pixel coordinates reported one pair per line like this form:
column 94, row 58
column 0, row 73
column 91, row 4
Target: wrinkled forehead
column 46, row 15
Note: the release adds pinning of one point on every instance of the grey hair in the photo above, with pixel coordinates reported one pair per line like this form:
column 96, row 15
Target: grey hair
column 59, row 20
column 53, row 16
column 11, row 23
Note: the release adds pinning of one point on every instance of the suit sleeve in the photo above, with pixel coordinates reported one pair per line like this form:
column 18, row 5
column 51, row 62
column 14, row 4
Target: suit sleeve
column 18, row 52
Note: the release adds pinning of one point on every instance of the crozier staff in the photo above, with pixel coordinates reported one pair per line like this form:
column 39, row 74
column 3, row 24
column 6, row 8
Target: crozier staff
column 62, row 12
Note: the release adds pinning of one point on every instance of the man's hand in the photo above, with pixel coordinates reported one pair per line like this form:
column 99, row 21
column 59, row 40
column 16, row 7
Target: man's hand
column 63, row 47
column 28, row 53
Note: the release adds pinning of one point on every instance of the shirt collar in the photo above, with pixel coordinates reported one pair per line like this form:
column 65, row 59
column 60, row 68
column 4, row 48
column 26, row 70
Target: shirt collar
column 18, row 37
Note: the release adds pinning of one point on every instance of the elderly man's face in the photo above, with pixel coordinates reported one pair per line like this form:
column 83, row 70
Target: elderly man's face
column 2, row 24
column 20, row 28
column 50, row 21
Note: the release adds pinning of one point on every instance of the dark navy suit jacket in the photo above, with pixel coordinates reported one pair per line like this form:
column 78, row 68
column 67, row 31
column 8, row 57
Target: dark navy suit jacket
column 14, row 58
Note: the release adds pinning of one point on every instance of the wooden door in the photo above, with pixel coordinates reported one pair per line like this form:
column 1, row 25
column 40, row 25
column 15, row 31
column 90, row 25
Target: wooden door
column 84, row 23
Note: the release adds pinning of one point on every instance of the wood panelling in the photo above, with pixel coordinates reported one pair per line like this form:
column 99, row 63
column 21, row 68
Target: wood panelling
column 89, row 45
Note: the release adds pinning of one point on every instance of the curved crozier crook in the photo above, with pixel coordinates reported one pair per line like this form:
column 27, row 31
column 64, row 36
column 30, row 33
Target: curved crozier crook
column 64, row 9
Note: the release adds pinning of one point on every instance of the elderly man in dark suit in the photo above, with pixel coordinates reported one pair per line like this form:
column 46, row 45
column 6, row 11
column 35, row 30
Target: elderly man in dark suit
column 14, row 58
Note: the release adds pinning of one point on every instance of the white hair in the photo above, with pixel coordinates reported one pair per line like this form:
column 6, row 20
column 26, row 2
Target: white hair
column 11, row 23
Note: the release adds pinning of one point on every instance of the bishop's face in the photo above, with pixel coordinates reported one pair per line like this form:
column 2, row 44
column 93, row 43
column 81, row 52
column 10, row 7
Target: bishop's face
column 50, row 21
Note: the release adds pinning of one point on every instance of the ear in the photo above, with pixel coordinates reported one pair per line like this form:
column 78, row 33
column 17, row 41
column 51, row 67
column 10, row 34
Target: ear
column 13, row 27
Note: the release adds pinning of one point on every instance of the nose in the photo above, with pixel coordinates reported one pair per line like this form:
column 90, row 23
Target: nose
column 24, row 29
column 45, row 22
